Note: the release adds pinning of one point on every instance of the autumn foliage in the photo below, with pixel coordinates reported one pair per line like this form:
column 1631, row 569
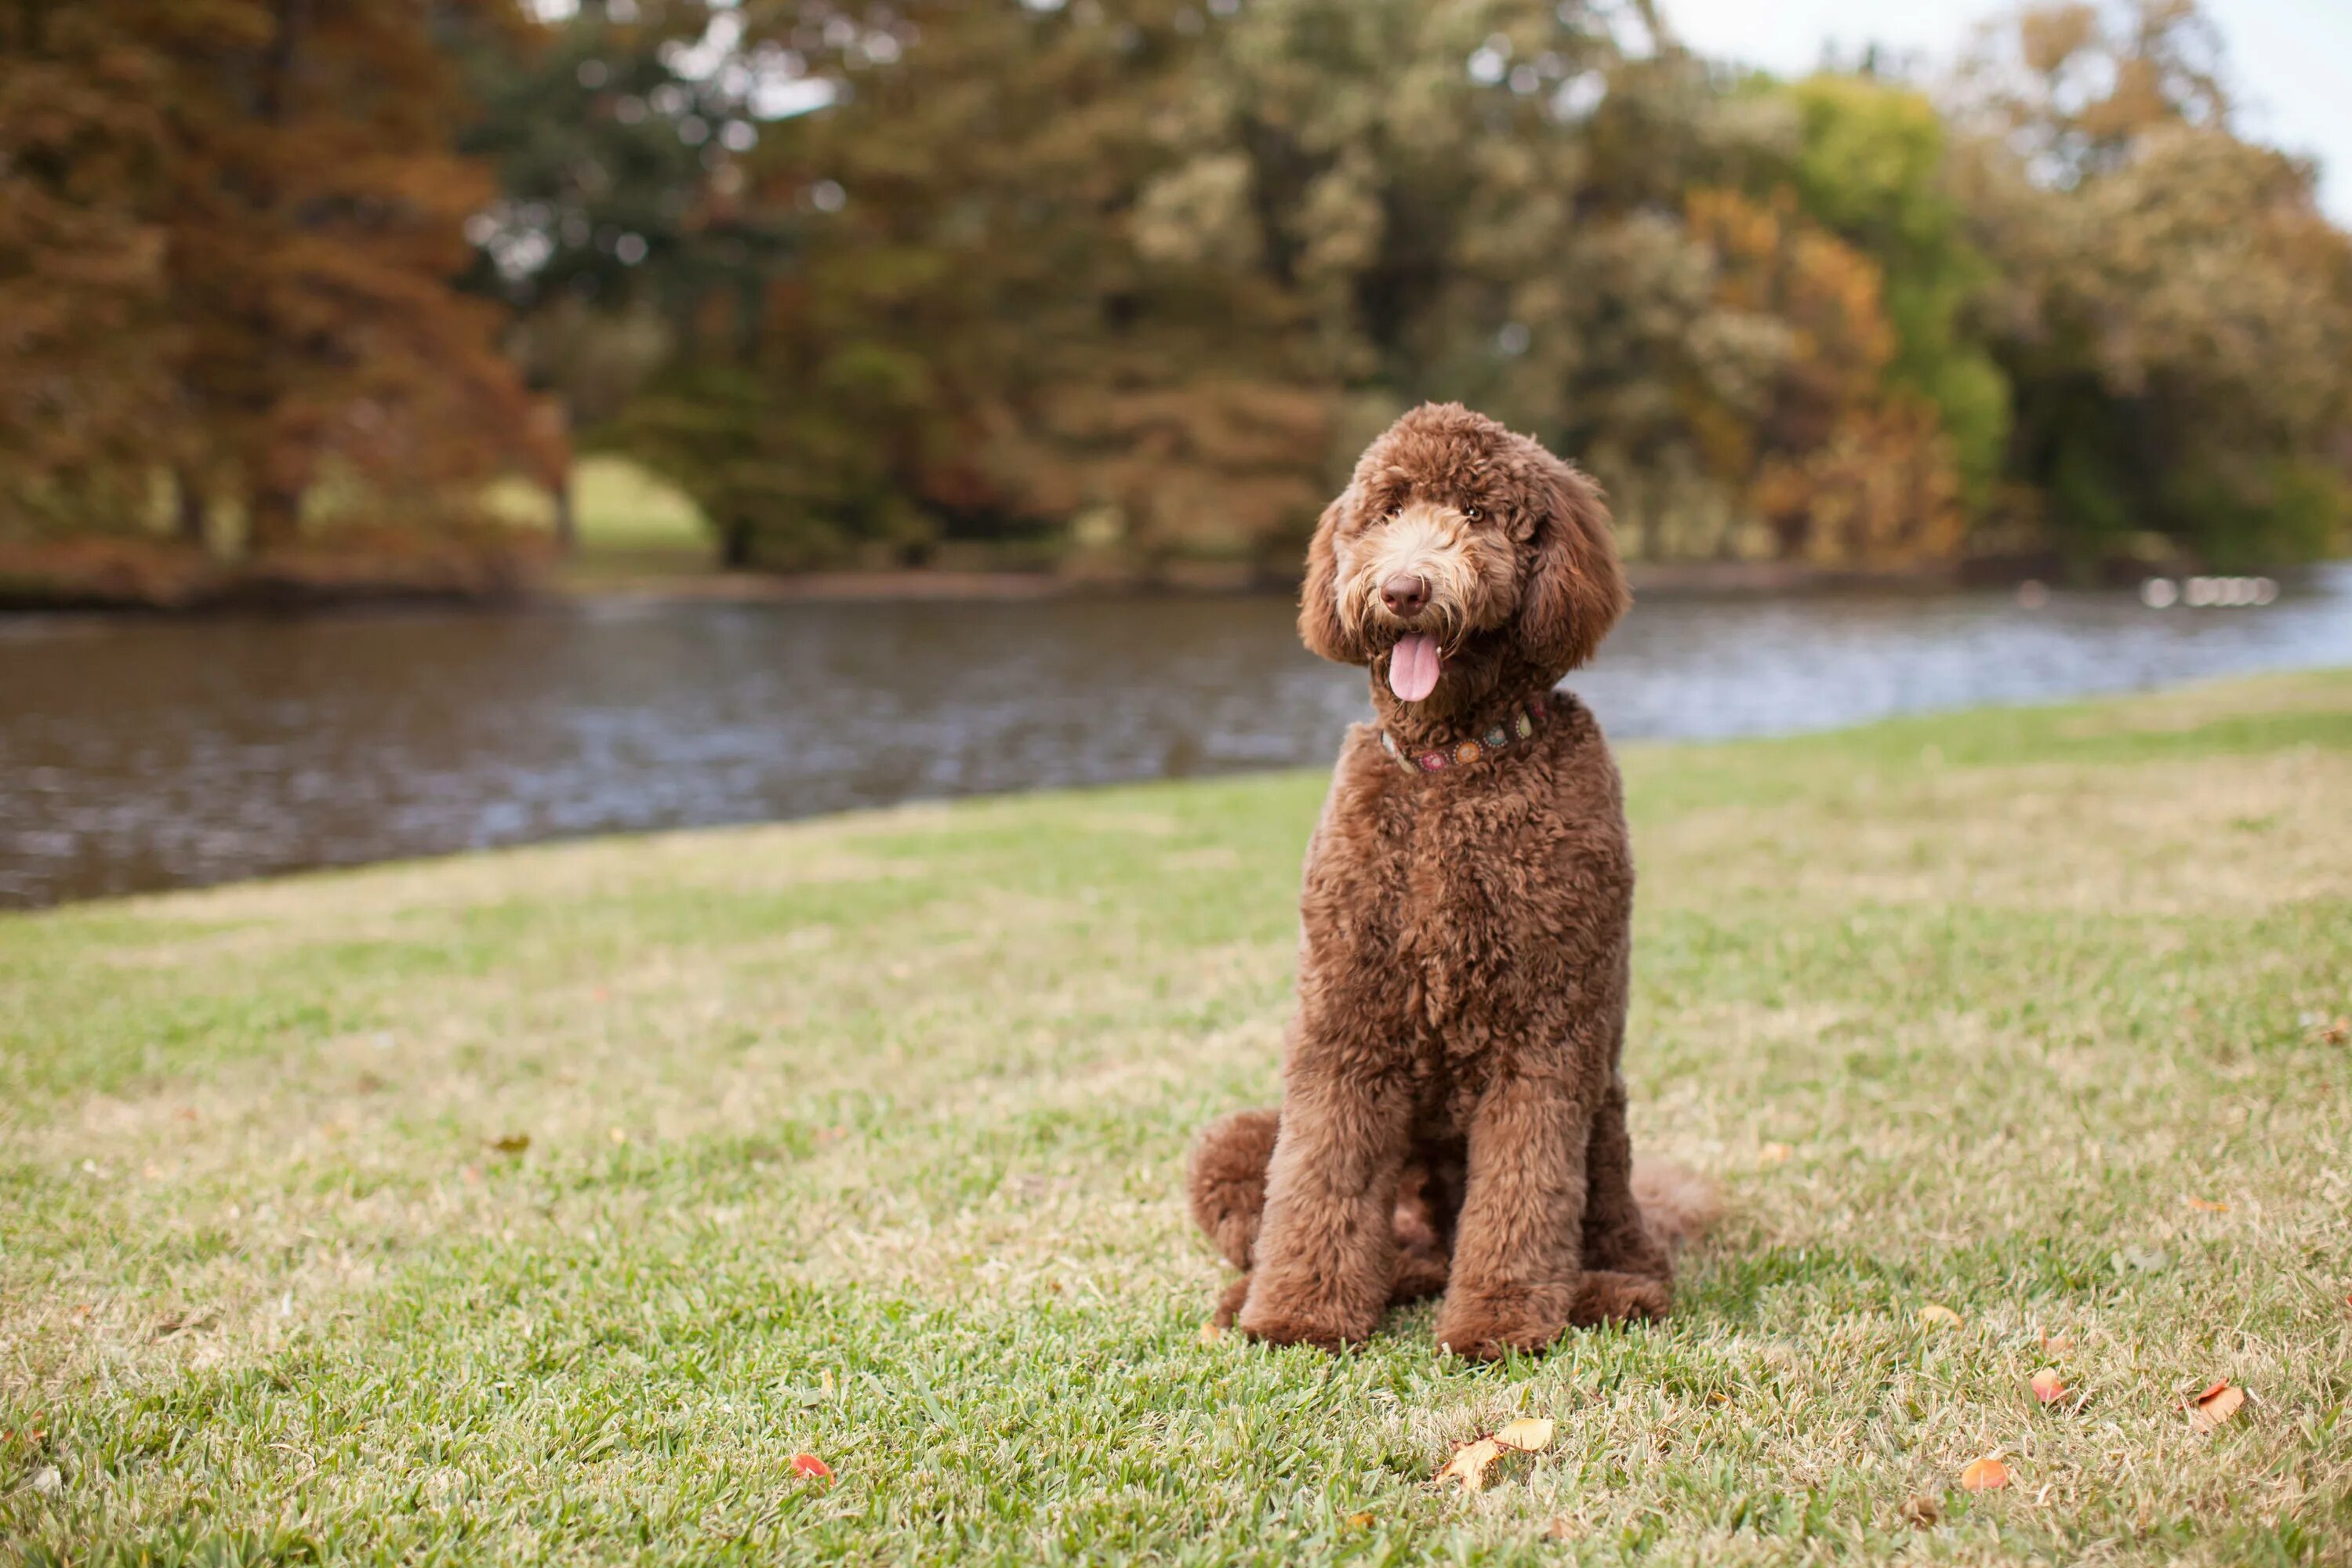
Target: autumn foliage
column 227, row 270
column 1121, row 285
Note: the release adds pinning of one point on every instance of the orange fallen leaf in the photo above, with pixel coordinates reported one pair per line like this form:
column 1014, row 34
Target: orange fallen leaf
column 2048, row 1386
column 1939, row 1316
column 1773, row 1154
column 1922, row 1512
column 1469, row 1464
column 2205, row 1206
column 2218, row 1404
column 2337, row 1032
column 1985, row 1475
column 811, row 1467
column 1528, row 1435
column 1360, row 1520
column 1211, row 1333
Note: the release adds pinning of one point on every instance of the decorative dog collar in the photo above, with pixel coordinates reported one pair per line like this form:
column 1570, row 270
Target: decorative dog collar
column 1510, row 731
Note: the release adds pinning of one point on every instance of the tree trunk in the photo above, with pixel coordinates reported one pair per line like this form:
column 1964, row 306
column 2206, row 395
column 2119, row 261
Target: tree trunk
column 567, row 523
column 735, row 545
column 275, row 519
column 188, row 510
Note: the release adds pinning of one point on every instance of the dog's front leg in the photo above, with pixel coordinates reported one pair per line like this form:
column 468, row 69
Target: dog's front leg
column 1326, row 1250
column 1517, row 1252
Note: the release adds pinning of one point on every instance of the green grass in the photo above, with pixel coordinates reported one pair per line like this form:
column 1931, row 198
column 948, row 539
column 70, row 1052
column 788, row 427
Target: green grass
column 863, row 1138
column 631, row 523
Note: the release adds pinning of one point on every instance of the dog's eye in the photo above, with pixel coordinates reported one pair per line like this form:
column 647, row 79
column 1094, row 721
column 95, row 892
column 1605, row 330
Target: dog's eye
column 1473, row 511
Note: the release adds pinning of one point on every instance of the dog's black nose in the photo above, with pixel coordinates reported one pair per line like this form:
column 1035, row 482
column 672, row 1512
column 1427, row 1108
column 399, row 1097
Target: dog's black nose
column 1405, row 594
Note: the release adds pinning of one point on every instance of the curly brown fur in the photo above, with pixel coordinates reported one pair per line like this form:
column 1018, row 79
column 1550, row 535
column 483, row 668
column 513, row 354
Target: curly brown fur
column 1453, row 1117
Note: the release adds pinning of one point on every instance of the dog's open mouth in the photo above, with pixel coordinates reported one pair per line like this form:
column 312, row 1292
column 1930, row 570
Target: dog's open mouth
column 1414, row 666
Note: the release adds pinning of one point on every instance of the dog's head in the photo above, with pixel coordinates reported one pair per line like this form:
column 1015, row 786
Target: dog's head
column 1461, row 554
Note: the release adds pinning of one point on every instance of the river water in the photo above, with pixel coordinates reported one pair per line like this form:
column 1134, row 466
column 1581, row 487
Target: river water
column 139, row 755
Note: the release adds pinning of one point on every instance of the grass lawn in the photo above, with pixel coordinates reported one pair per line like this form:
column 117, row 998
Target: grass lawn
column 863, row 1138
column 632, row 525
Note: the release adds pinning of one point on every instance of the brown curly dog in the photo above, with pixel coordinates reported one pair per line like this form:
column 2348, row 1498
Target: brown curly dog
column 1453, row 1117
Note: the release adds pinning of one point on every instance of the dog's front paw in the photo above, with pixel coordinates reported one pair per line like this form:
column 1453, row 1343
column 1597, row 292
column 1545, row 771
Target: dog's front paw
column 1489, row 1327
column 1267, row 1315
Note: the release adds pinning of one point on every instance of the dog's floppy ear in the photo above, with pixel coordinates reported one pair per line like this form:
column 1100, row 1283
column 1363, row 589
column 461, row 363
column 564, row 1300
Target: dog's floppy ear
column 1576, row 589
column 1320, row 625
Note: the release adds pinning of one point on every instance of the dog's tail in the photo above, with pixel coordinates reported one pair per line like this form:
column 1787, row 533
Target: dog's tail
column 1677, row 1203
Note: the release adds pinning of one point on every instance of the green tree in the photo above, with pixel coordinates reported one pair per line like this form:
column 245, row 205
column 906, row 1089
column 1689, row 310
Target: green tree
column 1871, row 167
column 2175, row 313
column 618, row 151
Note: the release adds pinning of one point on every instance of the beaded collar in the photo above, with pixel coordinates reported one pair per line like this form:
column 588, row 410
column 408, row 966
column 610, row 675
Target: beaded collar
column 1508, row 731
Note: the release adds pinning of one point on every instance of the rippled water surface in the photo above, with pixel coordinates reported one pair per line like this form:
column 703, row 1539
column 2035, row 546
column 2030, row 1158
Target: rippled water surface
column 140, row 754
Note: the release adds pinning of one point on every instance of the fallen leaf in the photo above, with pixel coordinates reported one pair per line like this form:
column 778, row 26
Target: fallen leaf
column 511, row 1144
column 2337, row 1032
column 824, row 1379
column 1469, row 1464
column 1528, row 1434
column 1985, row 1475
column 2057, row 1345
column 1211, row 1333
column 1939, row 1316
column 2205, row 1206
column 811, row 1467
column 48, row 1481
column 617, row 1135
column 2218, row 1404
column 2048, row 1386
column 1360, row 1520
column 1773, row 1154
column 1922, row 1512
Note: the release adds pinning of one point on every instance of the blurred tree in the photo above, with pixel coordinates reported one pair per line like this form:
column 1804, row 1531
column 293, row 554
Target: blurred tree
column 1872, row 168
column 314, row 218
column 231, row 259
column 2175, row 313
column 2076, row 84
column 974, row 343
column 85, row 337
column 617, row 145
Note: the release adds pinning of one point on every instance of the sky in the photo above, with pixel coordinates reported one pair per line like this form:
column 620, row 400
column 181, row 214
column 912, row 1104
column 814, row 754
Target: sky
column 2287, row 59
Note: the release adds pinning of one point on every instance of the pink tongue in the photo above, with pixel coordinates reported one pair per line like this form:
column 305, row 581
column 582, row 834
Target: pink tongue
column 1413, row 668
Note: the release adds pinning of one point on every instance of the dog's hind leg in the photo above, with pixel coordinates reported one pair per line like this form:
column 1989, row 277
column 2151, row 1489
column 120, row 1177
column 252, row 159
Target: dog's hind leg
column 1422, row 1227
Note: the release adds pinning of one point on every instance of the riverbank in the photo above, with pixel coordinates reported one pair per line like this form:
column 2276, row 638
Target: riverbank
column 150, row 577
column 546, row 1204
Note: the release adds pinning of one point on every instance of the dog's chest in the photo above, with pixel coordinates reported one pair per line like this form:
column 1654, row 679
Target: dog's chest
column 1479, row 885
